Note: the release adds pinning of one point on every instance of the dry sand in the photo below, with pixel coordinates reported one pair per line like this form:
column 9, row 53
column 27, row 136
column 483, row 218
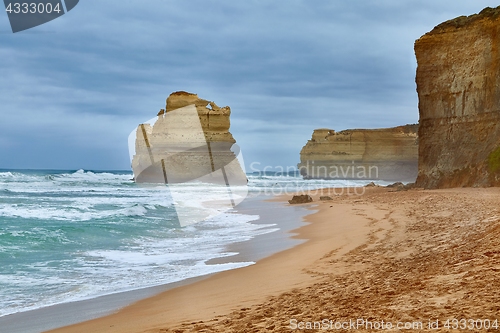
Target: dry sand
column 386, row 256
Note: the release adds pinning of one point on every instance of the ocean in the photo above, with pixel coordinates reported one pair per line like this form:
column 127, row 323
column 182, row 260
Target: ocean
column 76, row 234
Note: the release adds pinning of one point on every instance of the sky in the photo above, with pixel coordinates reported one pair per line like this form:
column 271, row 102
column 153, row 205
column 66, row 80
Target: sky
column 73, row 89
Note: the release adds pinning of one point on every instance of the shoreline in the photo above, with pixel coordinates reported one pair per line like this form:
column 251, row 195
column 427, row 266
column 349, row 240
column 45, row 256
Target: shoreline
column 416, row 257
column 271, row 211
column 215, row 295
column 70, row 313
column 395, row 256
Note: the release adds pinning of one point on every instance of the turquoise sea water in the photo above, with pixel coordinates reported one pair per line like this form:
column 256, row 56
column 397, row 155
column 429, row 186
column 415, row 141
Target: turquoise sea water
column 72, row 235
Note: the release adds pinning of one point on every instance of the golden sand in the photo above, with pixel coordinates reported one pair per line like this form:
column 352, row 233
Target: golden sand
column 384, row 258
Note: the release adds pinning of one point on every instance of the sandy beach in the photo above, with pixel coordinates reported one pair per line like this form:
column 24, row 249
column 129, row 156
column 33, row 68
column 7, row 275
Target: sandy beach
column 414, row 259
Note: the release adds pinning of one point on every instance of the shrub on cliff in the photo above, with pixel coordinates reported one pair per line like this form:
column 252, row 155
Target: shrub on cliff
column 494, row 160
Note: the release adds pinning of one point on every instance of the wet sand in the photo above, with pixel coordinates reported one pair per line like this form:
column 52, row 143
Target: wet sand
column 273, row 215
column 414, row 257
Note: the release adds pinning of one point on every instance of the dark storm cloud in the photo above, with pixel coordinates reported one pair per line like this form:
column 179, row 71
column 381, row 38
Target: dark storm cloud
column 73, row 89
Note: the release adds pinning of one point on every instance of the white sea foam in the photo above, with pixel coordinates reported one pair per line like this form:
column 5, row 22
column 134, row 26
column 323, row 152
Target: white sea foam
column 76, row 235
column 78, row 213
column 84, row 234
column 276, row 185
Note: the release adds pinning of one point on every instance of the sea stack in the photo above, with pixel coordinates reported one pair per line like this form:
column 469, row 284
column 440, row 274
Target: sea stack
column 458, row 85
column 188, row 141
column 386, row 154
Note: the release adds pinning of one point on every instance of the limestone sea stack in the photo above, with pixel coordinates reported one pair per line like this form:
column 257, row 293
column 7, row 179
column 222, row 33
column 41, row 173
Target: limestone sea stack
column 458, row 85
column 386, row 154
column 188, row 141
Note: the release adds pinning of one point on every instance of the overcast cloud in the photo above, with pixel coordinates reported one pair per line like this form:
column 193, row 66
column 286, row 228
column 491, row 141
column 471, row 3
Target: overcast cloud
column 73, row 89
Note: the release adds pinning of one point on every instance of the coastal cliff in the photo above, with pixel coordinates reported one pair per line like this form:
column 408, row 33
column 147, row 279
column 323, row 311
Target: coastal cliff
column 189, row 140
column 458, row 86
column 387, row 154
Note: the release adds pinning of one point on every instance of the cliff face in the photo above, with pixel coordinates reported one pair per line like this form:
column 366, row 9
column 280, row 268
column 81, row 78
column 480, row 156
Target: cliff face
column 458, row 85
column 190, row 140
column 387, row 154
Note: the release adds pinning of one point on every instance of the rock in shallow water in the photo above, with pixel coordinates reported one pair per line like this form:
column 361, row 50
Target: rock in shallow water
column 189, row 141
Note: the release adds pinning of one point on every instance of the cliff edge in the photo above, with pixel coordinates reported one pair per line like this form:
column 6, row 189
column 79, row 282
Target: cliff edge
column 458, row 86
column 386, row 154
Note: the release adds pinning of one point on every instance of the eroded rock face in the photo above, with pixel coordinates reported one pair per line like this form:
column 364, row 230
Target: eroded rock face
column 387, row 154
column 300, row 199
column 458, row 85
column 189, row 140
column 214, row 119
